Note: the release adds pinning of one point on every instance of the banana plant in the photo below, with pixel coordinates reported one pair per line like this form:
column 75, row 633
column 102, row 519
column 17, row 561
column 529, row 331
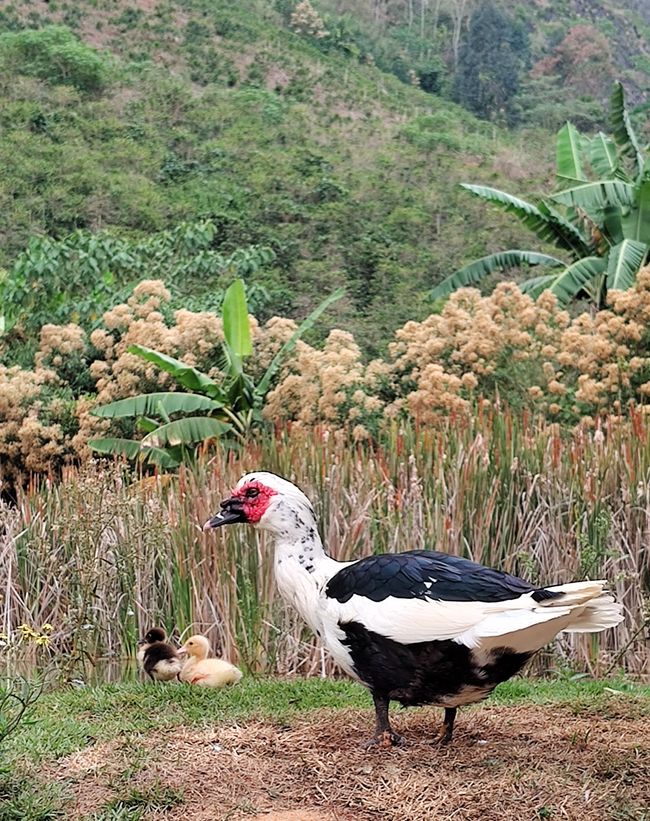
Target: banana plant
column 601, row 226
column 208, row 409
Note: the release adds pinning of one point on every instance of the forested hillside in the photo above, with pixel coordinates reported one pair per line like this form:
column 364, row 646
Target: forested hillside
column 301, row 146
column 539, row 60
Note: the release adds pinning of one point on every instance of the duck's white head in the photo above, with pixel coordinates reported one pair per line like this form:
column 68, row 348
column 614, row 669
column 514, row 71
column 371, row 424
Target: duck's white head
column 266, row 501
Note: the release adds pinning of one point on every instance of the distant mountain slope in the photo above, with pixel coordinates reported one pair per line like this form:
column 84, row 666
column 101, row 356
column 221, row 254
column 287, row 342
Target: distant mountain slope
column 215, row 109
column 407, row 34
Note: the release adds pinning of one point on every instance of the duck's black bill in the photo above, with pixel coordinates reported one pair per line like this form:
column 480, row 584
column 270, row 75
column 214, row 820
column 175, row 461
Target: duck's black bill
column 231, row 513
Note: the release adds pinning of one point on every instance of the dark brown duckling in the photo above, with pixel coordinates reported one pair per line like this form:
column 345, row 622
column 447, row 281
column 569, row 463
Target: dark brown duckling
column 157, row 657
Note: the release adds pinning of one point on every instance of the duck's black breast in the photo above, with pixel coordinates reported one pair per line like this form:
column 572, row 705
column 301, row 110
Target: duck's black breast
column 430, row 672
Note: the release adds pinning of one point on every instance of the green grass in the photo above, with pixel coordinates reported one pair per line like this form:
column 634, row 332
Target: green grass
column 132, row 804
column 25, row 799
column 68, row 720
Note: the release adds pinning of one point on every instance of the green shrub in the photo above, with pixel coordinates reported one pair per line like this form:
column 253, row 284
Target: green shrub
column 79, row 276
column 430, row 133
column 55, row 55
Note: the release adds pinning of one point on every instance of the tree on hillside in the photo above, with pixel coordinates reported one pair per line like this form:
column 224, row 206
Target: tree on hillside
column 602, row 225
column 54, row 54
column 306, row 20
column 582, row 63
column 458, row 12
column 490, row 61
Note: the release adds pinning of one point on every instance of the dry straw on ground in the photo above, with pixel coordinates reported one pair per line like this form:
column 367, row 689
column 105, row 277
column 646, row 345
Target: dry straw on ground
column 505, row 764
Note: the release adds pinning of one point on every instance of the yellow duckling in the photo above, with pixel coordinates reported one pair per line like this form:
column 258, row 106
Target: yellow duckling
column 204, row 671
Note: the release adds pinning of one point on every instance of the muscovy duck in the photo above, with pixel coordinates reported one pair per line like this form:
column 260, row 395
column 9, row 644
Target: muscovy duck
column 419, row 627
column 157, row 657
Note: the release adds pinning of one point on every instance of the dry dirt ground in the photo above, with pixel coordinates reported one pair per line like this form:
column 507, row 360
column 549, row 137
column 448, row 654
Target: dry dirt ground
column 521, row 763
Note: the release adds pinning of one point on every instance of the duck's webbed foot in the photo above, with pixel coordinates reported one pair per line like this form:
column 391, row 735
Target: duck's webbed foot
column 447, row 729
column 384, row 735
column 389, row 738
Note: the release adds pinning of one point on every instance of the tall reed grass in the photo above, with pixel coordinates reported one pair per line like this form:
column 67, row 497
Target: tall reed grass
column 103, row 554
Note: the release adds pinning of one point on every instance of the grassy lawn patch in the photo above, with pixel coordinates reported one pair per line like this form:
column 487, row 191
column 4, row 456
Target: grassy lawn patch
column 70, row 719
column 102, row 752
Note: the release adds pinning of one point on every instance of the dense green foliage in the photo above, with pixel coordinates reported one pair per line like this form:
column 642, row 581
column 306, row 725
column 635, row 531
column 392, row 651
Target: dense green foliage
column 211, row 409
column 55, row 56
column 490, row 62
column 124, row 122
column 272, row 148
column 78, row 277
column 602, row 224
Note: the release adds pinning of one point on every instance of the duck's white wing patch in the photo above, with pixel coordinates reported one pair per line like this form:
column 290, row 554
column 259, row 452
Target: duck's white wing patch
column 523, row 631
column 409, row 621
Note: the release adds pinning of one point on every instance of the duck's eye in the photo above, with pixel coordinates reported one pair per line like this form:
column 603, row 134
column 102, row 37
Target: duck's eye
column 252, row 492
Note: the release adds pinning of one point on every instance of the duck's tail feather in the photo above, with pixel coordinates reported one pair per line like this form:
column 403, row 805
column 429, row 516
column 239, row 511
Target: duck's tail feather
column 598, row 611
column 573, row 593
column 597, row 615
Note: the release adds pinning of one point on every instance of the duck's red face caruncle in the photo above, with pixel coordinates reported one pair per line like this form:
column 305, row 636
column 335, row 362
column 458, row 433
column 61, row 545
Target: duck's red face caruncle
column 248, row 503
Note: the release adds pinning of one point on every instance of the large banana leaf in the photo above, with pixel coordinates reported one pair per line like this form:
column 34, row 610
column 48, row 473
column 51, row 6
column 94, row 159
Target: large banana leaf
column 602, row 155
column 153, row 403
column 480, row 268
column 636, row 222
column 573, row 239
column 612, row 223
column 263, row 385
column 574, row 278
column 133, row 450
column 236, row 327
column 536, row 285
column 596, row 196
column 623, row 264
column 530, row 215
column 567, row 151
column 185, row 432
column 623, row 131
column 185, row 375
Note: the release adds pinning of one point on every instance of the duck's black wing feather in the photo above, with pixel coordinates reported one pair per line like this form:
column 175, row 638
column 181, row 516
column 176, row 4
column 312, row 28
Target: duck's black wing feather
column 427, row 574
